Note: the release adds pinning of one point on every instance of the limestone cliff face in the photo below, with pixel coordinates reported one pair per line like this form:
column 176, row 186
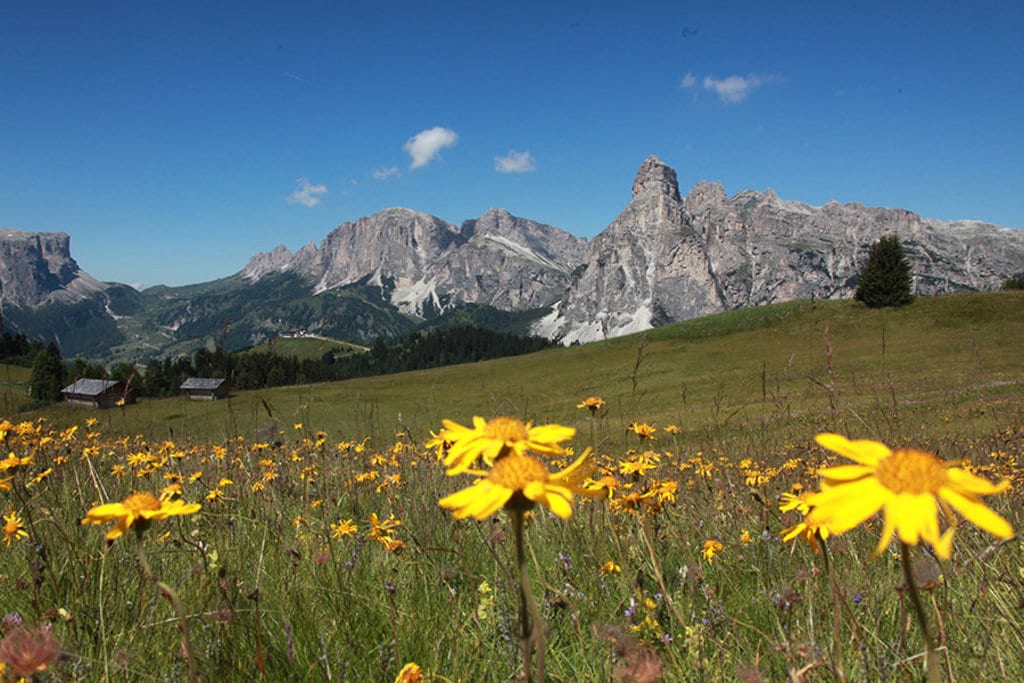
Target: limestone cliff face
column 667, row 258
column 36, row 268
column 425, row 264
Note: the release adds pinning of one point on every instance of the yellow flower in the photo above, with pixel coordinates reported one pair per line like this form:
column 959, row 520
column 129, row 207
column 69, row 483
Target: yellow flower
column 343, row 529
column 592, row 403
column 12, row 461
column 711, row 548
column 438, row 443
column 793, row 501
column 172, row 491
column 382, row 528
column 610, row 567
column 745, row 536
column 410, row 673
column 811, row 530
column 643, row 430
column 910, row 486
column 14, row 530
column 519, row 481
column 488, row 440
column 136, row 510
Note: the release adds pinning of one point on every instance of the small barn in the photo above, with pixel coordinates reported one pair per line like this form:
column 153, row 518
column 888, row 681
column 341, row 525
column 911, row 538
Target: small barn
column 205, row 388
column 97, row 393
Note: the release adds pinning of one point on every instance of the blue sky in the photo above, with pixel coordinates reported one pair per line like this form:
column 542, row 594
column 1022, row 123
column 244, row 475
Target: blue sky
column 175, row 140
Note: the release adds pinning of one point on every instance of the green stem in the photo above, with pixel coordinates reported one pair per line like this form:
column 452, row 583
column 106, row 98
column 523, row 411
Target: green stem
column 930, row 658
column 531, row 629
column 837, row 626
column 172, row 597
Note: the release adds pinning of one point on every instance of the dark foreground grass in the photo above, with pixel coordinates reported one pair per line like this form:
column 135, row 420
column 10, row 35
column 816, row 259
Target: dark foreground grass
column 274, row 584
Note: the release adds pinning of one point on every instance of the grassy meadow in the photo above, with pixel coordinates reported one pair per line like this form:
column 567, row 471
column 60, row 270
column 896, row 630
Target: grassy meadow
column 320, row 551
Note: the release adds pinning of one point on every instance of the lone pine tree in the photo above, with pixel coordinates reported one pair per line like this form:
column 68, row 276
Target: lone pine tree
column 886, row 278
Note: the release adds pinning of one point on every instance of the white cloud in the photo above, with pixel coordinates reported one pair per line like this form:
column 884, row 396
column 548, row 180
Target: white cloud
column 731, row 89
column 306, row 193
column 385, row 173
column 734, row 89
column 515, row 162
column 426, row 145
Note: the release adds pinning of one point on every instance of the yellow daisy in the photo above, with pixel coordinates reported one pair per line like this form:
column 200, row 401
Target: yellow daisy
column 410, row 673
column 14, row 529
column 910, row 486
column 519, row 481
column 644, row 431
column 136, row 510
column 592, row 403
column 343, row 529
column 489, row 439
column 711, row 549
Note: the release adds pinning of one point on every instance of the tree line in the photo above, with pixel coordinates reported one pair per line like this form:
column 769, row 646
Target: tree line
column 259, row 369
column 252, row 369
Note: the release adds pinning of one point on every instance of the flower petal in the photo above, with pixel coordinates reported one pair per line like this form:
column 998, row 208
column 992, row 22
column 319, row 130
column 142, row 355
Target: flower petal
column 863, row 451
column 844, row 473
column 106, row 513
column 972, row 484
column 915, row 516
column 977, row 513
column 843, row 507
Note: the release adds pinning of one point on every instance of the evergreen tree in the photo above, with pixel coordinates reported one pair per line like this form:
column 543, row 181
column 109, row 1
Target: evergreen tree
column 886, row 278
column 1014, row 282
column 48, row 374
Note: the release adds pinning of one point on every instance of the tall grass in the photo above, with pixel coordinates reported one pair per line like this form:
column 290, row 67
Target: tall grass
column 624, row 589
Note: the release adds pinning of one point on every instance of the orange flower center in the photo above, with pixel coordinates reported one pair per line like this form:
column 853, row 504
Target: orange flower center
column 514, row 472
column 911, row 471
column 142, row 502
column 12, row 526
column 506, row 429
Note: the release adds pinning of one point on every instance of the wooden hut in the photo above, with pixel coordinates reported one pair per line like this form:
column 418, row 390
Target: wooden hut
column 205, row 388
column 97, row 393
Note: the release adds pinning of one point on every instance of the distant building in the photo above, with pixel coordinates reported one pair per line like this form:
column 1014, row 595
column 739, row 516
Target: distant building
column 98, row 393
column 205, row 388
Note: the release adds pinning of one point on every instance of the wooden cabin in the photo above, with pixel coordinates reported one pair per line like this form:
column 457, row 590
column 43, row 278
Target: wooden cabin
column 97, row 393
column 205, row 388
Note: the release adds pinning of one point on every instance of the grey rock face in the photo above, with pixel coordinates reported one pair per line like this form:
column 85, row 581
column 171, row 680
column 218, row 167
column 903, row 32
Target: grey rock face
column 424, row 264
column 36, row 268
column 666, row 259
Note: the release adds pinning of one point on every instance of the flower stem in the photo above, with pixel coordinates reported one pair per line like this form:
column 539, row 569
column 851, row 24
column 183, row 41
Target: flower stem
column 930, row 658
column 172, row 597
column 531, row 630
column 837, row 626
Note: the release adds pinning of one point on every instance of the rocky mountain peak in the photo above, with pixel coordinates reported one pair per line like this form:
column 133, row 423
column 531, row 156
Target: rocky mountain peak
column 655, row 177
column 37, row 268
column 706, row 195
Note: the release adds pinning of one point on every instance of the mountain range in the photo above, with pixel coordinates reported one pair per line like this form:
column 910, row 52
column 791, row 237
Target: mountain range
column 665, row 258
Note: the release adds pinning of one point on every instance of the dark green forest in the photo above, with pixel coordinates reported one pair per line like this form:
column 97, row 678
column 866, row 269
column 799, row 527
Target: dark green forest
column 250, row 369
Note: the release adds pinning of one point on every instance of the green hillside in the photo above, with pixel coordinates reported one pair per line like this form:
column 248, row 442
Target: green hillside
column 13, row 387
column 307, row 348
column 309, row 533
column 950, row 362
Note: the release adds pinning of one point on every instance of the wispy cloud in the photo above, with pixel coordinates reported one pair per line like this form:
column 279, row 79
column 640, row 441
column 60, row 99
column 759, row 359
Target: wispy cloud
column 515, row 162
column 731, row 89
column 385, row 173
column 426, row 145
column 306, row 193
